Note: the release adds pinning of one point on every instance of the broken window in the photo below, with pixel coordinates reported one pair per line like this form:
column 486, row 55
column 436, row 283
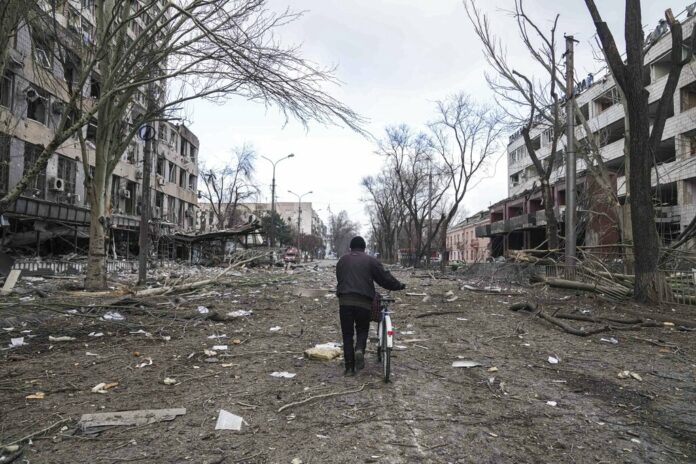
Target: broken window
column 71, row 70
column 94, row 87
column 7, row 90
column 92, row 131
column 67, row 170
column 192, row 182
column 172, row 172
column 37, row 105
column 183, row 176
column 171, row 208
column 194, row 152
column 115, row 189
column 5, row 144
column 159, row 170
column 36, row 187
column 184, row 148
column 42, row 48
column 606, row 100
column 688, row 96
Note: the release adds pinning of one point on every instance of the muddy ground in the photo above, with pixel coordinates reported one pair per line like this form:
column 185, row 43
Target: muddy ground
column 517, row 407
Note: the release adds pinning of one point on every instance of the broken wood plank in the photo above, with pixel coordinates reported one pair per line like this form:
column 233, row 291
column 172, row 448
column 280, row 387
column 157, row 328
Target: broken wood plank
column 93, row 422
column 10, row 282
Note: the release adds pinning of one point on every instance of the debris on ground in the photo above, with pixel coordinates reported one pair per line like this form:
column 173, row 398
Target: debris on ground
column 466, row 364
column 228, row 421
column 91, row 423
column 324, row 352
column 283, row 375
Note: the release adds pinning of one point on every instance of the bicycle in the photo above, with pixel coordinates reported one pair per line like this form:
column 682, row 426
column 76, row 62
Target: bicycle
column 386, row 336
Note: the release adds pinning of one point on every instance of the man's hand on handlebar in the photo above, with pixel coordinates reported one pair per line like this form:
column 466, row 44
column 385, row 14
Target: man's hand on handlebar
column 403, row 287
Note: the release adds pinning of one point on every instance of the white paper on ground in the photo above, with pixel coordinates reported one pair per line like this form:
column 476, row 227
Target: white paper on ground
column 228, row 421
column 283, row 375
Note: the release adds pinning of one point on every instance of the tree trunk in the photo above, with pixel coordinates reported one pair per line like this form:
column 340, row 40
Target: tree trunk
column 551, row 221
column 96, row 261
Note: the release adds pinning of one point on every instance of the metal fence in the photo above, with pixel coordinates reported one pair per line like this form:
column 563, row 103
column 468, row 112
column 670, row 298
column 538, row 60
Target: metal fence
column 52, row 267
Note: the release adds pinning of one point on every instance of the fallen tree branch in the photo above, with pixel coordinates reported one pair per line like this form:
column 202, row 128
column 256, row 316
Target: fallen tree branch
column 438, row 313
column 32, row 435
column 325, row 395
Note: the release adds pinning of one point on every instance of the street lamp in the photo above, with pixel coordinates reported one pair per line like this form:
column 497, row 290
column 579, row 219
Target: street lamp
column 299, row 214
column 271, row 235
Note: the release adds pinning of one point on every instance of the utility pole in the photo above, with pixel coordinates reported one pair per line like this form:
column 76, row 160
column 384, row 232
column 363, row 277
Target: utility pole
column 146, row 133
column 299, row 214
column 271, row 234
column 570, row 239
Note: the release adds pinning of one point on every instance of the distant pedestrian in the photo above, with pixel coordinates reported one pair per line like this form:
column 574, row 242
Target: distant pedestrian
column 356, row 273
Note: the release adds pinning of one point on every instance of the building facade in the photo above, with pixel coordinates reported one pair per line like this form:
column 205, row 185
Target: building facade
column 519, row 221
column 310, row 222
column 55, row 205
column 462, row 242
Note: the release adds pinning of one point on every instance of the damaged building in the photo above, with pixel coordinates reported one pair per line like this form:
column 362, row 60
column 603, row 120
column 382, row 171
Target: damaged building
column 519, row 221
column 51, row 217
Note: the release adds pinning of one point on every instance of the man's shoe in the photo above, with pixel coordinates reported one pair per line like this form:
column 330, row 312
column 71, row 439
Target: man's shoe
column 359, row 360
column 349, row 372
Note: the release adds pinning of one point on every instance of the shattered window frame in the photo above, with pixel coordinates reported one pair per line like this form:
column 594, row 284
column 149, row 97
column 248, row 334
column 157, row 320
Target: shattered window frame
column 36, row 187
column 5, row 149
column 67, row 170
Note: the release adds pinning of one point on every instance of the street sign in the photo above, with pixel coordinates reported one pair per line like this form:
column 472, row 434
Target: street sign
column 146, row 132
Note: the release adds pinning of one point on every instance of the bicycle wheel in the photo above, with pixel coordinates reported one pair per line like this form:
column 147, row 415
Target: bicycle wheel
column 386, row 354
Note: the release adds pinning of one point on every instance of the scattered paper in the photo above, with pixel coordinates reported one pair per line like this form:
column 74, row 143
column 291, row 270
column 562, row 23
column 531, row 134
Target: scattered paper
column 89, row 353
column 210, row 352
column 169, row 381
column 95, row 334
column 492, row 369
column 202, row 310
column 113, row 316
column 611, row 340
column 228, row 421
column 283, row 375
column 553, row 360
column 462, row 319
column 240, row 313
column 148, row 362
column 551, row 403
column 629, row 374
column 275, row 328
column 219, row 347
column 215, row 337
column 16, row 342
column 63, row 338
column 36, row 396
column 141, row 331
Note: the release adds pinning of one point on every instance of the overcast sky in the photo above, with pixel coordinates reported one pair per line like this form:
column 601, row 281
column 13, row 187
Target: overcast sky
column 395, row 58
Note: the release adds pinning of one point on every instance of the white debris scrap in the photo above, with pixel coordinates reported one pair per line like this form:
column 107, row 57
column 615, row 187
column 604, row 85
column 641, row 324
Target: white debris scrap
column 228, row 421
column 113, row 316
column 553, row 360
column 283, row 375
column 202, row 310
column 62, row 338
column 466, row 364
column 240, row 313
column 17, row 342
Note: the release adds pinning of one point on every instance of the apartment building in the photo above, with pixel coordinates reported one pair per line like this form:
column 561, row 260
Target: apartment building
column 54, row 209
column 462, row 242
column 519, row 221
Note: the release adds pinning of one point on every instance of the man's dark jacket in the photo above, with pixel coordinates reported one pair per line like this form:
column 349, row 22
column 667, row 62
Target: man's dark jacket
column 356, row 273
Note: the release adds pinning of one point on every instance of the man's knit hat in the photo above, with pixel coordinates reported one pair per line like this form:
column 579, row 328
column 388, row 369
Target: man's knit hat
column 358, row 243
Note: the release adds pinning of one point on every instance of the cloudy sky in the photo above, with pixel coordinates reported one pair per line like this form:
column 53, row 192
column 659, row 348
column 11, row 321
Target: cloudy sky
column 395, row 58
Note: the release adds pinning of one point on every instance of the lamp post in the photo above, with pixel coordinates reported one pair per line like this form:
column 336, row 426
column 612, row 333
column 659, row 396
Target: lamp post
column 299, row 214
column 271, row 235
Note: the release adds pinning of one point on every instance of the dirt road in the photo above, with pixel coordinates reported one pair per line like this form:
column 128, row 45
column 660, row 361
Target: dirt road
column 519, row 406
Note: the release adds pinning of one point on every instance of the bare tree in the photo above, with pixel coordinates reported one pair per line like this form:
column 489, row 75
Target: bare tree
column 421, row 187
column 227, row 187
column 199, row 49
column 341, row 231
column 465, row 136
column 386, row 213
column 650, row 284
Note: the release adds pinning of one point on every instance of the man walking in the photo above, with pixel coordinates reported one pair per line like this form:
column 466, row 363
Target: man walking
column 356, row 273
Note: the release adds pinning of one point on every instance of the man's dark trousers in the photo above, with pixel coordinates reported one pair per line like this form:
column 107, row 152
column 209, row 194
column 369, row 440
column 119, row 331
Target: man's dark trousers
column 358, row 319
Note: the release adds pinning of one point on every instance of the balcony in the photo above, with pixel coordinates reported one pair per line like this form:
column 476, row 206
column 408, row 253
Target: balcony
column 483, row 231
column 523, row 221
column 500, row 227
column 668, row 214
